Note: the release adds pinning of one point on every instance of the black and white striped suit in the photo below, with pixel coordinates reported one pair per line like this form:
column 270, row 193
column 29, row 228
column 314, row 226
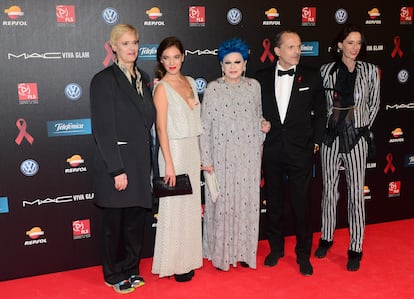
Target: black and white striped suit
column 366, row 105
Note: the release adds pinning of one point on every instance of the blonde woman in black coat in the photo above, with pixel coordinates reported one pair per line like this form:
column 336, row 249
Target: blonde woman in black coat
column 122, row 114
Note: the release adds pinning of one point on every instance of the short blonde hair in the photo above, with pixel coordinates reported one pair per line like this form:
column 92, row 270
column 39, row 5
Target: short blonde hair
column 120, row 29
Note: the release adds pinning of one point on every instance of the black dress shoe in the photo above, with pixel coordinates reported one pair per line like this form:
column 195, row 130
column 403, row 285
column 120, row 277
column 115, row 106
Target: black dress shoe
column 184, row 277
column 272, row 259
column 354, row 259
column 323, row 248
column 305, row 267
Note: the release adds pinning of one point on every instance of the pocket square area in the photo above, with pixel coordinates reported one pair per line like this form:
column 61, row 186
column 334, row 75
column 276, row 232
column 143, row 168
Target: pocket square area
column 304, row 88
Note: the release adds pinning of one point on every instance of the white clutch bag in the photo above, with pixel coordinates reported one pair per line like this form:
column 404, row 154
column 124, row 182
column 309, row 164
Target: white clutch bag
column 212, row 185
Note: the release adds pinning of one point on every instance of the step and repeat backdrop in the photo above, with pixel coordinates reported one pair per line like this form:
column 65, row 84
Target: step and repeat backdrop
column 51, row 49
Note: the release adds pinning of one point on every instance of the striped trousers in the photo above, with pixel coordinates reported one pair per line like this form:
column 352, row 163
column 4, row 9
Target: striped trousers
column 355, row 165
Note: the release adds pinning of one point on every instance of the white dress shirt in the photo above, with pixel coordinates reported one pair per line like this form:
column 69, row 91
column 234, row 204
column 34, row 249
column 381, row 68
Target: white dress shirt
column 283, row 88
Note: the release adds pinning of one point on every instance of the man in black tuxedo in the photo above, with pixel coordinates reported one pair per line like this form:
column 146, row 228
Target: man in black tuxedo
column 294, row 103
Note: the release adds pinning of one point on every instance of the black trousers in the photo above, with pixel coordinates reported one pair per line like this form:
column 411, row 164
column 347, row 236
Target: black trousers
column 122, row 238
column 299, row 177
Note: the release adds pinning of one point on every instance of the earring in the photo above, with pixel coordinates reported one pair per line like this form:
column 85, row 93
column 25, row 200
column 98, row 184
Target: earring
column 244, row 72
column 222, row 73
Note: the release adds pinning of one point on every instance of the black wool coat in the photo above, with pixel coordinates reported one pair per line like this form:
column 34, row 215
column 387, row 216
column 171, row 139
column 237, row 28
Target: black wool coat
column 121, row 123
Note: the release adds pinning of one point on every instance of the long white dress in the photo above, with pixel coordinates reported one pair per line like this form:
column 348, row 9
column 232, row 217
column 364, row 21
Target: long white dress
column 231, row 141
column 178, row 240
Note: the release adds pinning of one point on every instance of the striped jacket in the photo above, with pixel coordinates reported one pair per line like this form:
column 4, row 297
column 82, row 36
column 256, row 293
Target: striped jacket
column 366, row 91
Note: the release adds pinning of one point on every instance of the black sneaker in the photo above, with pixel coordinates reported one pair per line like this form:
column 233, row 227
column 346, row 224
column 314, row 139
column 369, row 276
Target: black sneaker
column 136, row 281
column 122, row 287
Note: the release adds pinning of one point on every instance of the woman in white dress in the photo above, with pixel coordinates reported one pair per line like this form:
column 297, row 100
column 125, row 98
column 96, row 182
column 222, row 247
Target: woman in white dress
column 178, row 237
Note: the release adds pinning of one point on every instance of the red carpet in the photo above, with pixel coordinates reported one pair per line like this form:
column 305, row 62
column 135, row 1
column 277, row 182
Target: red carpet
column 387, row 271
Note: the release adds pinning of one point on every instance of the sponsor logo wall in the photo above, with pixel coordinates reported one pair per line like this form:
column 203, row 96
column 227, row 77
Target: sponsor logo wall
column 49, row 53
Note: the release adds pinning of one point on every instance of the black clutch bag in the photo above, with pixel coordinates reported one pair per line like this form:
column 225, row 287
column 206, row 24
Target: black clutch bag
column 182, row 186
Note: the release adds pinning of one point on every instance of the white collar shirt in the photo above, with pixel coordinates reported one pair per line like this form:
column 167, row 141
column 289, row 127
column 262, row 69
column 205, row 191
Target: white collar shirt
column 283, row 89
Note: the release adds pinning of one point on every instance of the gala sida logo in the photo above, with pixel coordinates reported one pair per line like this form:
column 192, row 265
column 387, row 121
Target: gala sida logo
column 394, row 189
column 197, row 16
column 28, row 93
column 65, row 14
column 406, row 15
column 309, row 16
column 81, row 229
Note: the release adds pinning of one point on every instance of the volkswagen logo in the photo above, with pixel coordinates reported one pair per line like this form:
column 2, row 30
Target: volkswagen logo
column 29, row 167
column 403, row 76
column 73, row 91
column 201, row 84
column 341, row 15
column 234, row 16
column 110, row 15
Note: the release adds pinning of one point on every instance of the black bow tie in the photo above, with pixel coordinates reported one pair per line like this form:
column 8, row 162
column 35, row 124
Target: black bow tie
column 289, row 72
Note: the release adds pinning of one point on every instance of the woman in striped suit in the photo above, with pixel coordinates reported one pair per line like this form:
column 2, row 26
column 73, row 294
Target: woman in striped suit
column 352, row 89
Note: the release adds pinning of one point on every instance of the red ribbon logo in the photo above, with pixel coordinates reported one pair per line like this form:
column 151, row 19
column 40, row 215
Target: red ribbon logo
column 109, row 54
column 21, row 125
column 266, row 53
column 397, row 50
column 389, row 165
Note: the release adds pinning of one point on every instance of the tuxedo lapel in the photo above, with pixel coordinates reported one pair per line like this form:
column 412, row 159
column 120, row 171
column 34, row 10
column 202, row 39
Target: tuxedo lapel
column 272, row 87
column 293, row 94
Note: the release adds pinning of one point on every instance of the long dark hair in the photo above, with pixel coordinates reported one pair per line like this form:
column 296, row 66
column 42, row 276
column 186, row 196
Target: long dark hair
column 166, row 43
column 342, row 35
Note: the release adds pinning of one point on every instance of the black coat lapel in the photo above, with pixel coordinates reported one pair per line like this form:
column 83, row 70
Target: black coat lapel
column 272, row 86
column 294, row 92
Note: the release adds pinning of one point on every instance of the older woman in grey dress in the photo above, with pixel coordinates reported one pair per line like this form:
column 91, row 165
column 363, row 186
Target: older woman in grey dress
column 233, row 131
